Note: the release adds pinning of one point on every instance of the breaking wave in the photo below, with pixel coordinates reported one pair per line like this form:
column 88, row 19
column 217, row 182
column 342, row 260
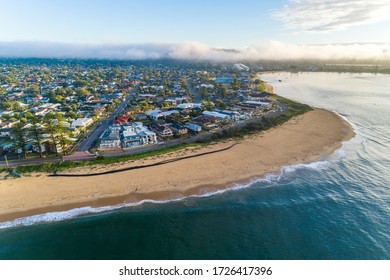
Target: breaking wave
column 267, row 179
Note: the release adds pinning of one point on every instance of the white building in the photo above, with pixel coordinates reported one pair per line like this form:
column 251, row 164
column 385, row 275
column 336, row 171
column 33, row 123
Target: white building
column 210, row 86
column 81, row 122
column 189, row 106
column 234, row 115
column 164, row 131
column 110, row 139
column 154, row 114
column 258, row 103
column 137, row 135
column 241, row 67
column 217, row 115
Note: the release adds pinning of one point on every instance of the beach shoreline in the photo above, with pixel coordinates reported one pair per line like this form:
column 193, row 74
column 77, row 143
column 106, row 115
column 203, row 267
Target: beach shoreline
column 303, row 139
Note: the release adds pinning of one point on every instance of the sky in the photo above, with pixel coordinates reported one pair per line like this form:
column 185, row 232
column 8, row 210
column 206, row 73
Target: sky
column 197, row 29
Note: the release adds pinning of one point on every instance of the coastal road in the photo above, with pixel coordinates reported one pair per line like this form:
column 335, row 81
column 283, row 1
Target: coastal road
column 80, row 155
column 158, row 146
column 282, row 108
column 199, row 137
column 12, row 163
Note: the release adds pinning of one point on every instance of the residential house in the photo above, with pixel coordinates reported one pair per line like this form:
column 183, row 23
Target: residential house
column 99, row 110
column 121, row 120
column 189, row 106
column 258, row 103
column 193, row 127
column 147, row 136
column 208, row 86
column 81, row 123
column 164, row 131
column 179, row 130
column 217, row 115
column 110, row 139
column 5, row 132
column 234, row 115
column 130, row 137
column 127, row 136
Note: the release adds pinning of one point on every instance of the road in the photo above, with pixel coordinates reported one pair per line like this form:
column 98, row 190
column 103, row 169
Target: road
column 199, row 137
column 94, row 135
column 80, row 155
column 29, row 161
column 87, row 143
column 283, row 108
column 194, row 92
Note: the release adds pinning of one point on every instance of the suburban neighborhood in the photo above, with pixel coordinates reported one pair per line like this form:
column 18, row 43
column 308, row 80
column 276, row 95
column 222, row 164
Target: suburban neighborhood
column 48, row 109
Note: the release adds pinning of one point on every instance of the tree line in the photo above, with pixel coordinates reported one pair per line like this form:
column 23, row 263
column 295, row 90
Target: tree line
column 50, row 129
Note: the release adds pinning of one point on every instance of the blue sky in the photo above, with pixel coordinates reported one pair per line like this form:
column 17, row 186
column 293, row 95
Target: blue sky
column 217, row 23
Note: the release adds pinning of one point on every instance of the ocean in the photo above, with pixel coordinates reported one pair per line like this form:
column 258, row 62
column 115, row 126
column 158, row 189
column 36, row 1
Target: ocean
column 336, row 208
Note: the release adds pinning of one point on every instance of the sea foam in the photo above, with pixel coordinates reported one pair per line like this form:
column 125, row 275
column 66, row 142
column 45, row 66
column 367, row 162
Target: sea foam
column 265, row 180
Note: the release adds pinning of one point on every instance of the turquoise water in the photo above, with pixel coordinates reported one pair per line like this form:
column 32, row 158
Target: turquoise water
column 337, row 208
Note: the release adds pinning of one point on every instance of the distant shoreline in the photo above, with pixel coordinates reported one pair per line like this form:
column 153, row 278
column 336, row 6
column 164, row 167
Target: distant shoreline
column 305, row 138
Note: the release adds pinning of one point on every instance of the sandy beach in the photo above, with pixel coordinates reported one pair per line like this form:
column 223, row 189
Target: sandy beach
column 305, row 138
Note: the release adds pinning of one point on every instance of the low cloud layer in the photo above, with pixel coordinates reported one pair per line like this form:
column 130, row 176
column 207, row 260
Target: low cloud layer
column 332, row 15
column 196, row 51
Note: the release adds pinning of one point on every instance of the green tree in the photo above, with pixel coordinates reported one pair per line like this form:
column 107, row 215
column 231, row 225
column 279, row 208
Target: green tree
column 63, row 140
column 81, row 83
column 220, row 103
column 83, row 92
column 5, row 105
column 17, row 106
column 144, row 106
column 110, row 108
column 260, row 87
column 19, row 133
column 203, row 93
column 34, row 88
column 208, row 105
column 6, row 79
column 221, row 90
column 72, row 115
column 236, row 84
column 29, row 115
column 59, row 135
column 52, row 97
column 52, row 128
column 35, row 132
column 174, row 118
